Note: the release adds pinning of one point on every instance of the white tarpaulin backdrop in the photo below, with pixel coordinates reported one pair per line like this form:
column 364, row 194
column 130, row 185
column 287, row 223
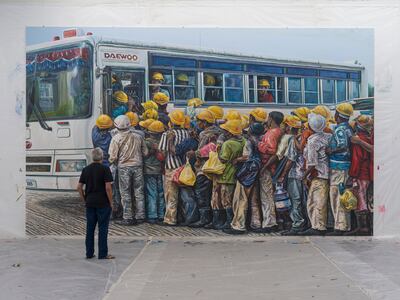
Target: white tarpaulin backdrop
column 382, row 16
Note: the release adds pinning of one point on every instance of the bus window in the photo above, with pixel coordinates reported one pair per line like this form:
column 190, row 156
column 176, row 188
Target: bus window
column 265, row 89
column 340, row 90
column 63, row 90
column 185, row 85
column 160, row 81
column 354, row 89
column 233, row 88
column 328, row 91
column 280, row 89
column 311, row 90
column 294, row 86
column 213, row 89
column 130, row 82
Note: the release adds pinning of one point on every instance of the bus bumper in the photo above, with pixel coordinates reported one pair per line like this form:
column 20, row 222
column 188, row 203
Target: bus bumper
column 51, row 182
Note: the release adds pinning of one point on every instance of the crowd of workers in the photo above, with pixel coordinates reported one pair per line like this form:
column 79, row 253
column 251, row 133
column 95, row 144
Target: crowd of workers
column 306, row 173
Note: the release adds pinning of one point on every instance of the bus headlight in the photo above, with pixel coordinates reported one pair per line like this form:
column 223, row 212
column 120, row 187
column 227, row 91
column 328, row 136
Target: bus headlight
column 70, row 165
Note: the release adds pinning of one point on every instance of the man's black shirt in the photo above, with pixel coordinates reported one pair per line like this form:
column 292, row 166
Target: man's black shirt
column 95, row 177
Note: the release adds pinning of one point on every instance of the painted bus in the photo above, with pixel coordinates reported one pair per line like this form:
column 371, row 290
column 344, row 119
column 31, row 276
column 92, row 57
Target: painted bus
column 69, row 83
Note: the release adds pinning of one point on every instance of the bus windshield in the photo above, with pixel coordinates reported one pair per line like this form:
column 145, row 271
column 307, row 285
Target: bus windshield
column 62, row 82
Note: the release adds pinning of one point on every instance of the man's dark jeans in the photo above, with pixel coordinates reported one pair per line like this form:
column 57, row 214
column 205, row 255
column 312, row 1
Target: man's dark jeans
column 95, row 216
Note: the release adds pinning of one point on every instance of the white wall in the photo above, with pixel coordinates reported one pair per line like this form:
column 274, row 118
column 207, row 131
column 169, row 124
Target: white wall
column 383, row 16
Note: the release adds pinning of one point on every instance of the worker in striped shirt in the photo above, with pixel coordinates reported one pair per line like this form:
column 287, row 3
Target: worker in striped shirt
column 169, row 139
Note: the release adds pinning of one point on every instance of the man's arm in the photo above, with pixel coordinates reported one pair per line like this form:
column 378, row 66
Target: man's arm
column 366, row 146
column 113, row 152
column 80, row 191
column 109, row 193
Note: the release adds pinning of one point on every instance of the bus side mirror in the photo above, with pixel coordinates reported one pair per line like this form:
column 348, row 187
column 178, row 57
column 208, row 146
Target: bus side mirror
column 99, row 72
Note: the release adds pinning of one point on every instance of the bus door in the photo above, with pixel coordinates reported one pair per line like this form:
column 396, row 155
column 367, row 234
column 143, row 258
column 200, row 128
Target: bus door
column 129, row 81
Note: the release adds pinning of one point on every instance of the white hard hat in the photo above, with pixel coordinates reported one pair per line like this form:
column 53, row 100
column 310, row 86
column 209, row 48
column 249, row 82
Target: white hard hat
column 122, row 122
column 316, row 122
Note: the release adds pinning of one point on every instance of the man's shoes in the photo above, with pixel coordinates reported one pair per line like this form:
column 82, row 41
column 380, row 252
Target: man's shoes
column 152, row 221
column 167, row 224
column 311, row 231
column 266, row 229
column 140, row 221
column 233, row 231
column 291, row 232
column 126, row 222
column 336, row 233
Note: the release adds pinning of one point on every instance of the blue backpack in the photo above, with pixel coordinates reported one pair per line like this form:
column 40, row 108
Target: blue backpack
column 247, row 173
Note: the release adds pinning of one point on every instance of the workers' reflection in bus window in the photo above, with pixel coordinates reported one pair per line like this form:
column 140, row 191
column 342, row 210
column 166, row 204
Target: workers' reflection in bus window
column 213, row 87
column 185, row 85
column 160, row 81
column 233, row 88
column 265, row 90
column 134, row 89
column 116, row 83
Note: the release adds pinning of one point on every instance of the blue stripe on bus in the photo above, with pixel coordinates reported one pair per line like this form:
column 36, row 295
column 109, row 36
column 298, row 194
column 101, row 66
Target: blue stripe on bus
column 333, row 74
column 355, row 75
column 302, row 71
column 221, row 65
column 265, row 69
column 173, row 61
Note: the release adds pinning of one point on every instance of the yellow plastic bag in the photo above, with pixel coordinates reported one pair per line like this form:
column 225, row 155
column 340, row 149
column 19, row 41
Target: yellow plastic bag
column 348, row 200
column 187, row 176
column 213, row 165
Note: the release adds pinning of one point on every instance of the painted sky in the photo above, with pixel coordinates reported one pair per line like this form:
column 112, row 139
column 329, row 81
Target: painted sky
column 317, row 44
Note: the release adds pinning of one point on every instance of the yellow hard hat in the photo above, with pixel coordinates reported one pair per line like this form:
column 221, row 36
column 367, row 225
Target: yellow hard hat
column 206, row 115
column 364, row 122
column 187, row 122
column 146, row 123
column 345, row 109
column 302, row 113
column 156, row 126
column 293, row 121
column 232, row 115
column 160, row 98
column 218, row 111
column 120, row 96
column 233, row 126
column 104, row 122
column 182, row 77
column 260, row 114
column 150, row 114
column 196, row 102
column 157, row 76
column 133, row 117
column 348, row 201
column 245, row 121
column 322, row 110
column 209, row 80
column 264, row 83
column 177, row 117
column 150, row 104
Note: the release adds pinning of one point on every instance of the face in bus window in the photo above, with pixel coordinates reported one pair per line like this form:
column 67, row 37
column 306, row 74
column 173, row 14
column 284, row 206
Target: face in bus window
column 265, row 96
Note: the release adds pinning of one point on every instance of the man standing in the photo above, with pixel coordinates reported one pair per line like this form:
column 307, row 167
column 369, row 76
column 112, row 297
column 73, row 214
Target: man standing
column 231, row 149
column 127, row 150
column 101, row 136
column 162, row 101
column 97, row 196
column 361, row 170
column 169, row 140
column 317, row 162
column 339, row 164
column 203, row 185
column 267, row 148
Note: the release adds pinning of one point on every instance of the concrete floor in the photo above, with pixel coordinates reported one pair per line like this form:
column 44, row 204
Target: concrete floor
column 202, row 268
